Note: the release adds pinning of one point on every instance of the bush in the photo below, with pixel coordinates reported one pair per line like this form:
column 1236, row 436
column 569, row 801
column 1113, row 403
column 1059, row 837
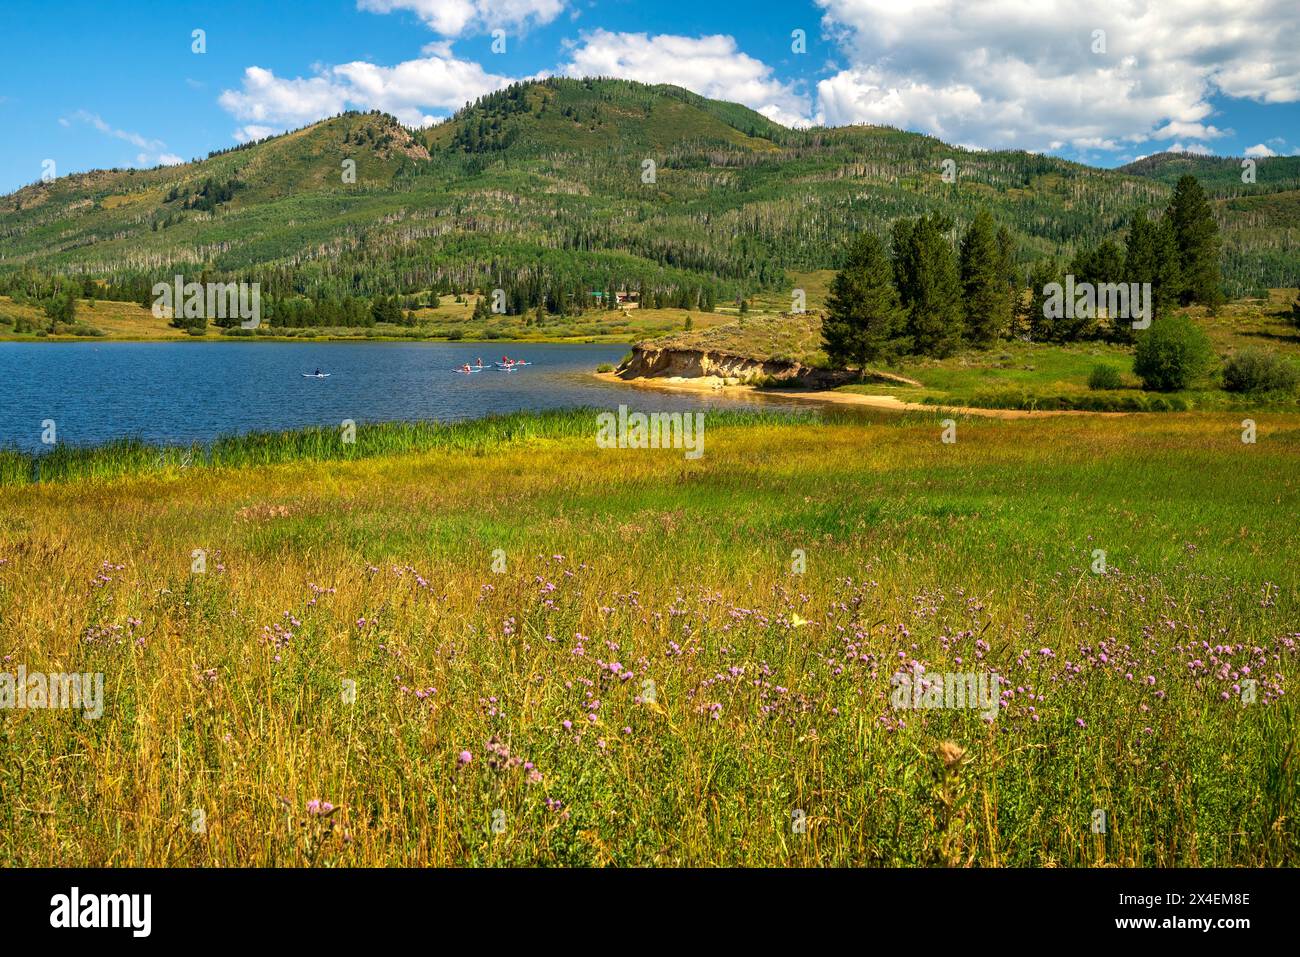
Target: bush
column 1258, row 370
column 1171, row 354
column 605, row 367
column 1104, row 377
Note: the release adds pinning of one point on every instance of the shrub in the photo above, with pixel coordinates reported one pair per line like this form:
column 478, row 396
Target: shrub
column 1103, row 377
column 1258, row 370
column 605, row 367
column 1171, row 354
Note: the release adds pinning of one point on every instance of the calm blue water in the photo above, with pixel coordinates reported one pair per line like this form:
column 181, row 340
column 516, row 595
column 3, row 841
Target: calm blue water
column 180, row 392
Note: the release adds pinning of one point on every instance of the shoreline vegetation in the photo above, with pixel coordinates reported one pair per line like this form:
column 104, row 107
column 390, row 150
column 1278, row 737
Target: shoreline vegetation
column 133, row 457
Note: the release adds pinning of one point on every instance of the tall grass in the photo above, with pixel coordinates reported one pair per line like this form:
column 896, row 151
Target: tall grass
column 621, row 646
column 65, row 463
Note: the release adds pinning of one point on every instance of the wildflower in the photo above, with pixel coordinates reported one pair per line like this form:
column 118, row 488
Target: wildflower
column 951, row 753
column 465, row 758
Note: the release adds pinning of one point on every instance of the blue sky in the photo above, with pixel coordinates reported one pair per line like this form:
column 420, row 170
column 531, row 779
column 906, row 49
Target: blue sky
column 96, row 84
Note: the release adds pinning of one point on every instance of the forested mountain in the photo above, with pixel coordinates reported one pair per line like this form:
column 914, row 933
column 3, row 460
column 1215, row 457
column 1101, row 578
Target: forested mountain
column 1260, row 219
column 546, row 189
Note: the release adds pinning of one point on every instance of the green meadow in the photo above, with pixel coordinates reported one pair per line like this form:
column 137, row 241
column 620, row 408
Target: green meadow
column 497, row 644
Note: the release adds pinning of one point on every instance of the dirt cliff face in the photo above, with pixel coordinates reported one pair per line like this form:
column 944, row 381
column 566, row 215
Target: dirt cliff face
column 649, row 362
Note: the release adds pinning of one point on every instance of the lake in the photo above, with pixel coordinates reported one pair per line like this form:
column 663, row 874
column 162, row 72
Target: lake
column 182, row 392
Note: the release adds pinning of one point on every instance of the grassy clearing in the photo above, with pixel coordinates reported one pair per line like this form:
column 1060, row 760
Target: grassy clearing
column 771, row 689
column 620, row 325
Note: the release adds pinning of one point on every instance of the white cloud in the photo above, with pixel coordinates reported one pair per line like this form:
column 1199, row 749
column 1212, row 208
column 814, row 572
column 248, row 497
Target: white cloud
column 272, row 101
column 151, row 151
column 409, row 90
column 1258, row 151
column 711, row 66
column 94, row 120
column 1195, row 149
column 1007, row 73
column 452, row 18
column 251, row 132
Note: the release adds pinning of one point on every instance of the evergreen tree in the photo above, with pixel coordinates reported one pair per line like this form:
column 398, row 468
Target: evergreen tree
column 1007, row 264
column 1197, row 236
column 1150, row 256
column 985, row 299
column 1103, row 263
column 61, row 307
column 931, row 287
column 1041, row 328
column 864, row 317
column 900, row 242
column 388, row 309
column 1099, row 265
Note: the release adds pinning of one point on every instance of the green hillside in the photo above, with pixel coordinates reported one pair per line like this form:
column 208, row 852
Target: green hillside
column 1220, row 175
column 1260, row 220
column 540, row 187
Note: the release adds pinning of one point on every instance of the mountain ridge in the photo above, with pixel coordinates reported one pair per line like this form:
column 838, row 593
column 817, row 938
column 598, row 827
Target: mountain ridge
column 549, row 175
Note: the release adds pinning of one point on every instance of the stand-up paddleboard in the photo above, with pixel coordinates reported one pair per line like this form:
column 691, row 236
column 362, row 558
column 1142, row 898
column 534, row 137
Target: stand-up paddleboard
column 316, row 375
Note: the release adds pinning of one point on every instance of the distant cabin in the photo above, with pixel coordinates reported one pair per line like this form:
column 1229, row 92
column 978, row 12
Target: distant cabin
column 629, row 299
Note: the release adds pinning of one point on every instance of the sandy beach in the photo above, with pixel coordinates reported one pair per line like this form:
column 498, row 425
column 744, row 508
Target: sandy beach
column 830, row 397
